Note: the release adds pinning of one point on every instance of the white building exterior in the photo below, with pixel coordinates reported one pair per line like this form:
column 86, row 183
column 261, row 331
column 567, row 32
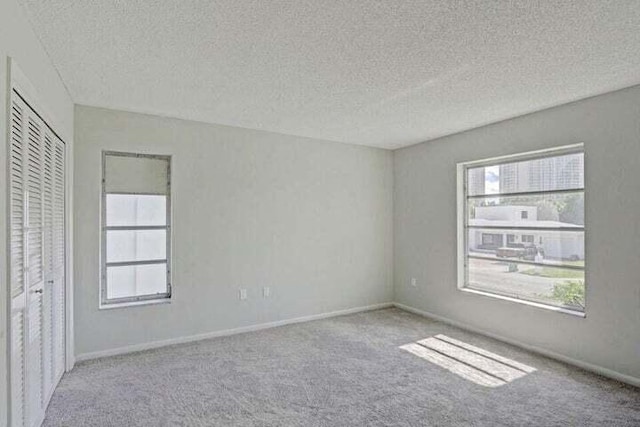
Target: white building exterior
column 554, row 244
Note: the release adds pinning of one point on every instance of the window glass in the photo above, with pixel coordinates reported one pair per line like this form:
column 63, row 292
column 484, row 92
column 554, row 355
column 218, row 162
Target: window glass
column 136, row 245
column 548, row 173
column 133, row 280
column 528, row 282
column 524, row 229
column 135, row 234
column 128, row 209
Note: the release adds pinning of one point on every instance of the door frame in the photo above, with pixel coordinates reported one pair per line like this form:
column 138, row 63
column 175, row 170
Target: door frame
column 18, row 81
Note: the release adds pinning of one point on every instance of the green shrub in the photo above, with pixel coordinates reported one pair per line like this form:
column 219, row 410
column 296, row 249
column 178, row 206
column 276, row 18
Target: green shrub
column 570, row 292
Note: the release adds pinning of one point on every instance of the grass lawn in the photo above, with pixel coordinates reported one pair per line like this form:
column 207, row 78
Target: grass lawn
column 554, row 273
column 579, row 263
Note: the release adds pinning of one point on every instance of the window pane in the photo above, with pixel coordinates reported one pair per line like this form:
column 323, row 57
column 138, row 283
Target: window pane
column 136, row 280
column 541, row 246
column 555, row 286
column 545, row 174
column 136, row 245
column 136, row 174
column 136, row 210
column 540, row 210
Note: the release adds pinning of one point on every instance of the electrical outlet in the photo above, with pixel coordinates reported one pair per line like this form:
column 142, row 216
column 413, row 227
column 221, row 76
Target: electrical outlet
column 243, row 294
column 414, row 282
column 266, row 292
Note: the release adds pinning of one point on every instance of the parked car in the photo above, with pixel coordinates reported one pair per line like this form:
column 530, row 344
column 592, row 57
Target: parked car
column 519, row 251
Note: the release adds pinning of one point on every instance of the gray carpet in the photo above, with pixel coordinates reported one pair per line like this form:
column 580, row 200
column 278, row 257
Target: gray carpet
column 344, row 371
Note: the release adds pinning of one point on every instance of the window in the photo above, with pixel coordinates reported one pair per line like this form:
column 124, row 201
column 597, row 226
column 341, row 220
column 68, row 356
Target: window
column 491, row 240
column 533, row 202
column 136, row 224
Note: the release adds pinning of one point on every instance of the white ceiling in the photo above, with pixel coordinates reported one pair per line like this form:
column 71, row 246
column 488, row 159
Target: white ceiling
column 379, row 73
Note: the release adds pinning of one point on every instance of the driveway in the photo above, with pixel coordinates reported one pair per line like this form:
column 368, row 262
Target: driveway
column 494, row 275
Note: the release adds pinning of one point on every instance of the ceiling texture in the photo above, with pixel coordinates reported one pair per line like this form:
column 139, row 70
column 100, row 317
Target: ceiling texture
column 379, row 73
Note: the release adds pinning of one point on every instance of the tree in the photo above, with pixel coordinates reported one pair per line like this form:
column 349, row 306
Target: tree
column 547, row 211
column 571, row 210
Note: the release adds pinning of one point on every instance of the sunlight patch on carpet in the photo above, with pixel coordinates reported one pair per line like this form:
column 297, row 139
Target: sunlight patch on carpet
column 469, row 362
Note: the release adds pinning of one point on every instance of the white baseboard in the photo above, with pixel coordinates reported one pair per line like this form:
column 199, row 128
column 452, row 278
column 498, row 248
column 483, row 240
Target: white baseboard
column 225, row 332
column 71, row 362
column 605, row 372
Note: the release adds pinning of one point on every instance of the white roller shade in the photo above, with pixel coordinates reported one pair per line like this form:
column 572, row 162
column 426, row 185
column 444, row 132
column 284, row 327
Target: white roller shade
column 136, row 175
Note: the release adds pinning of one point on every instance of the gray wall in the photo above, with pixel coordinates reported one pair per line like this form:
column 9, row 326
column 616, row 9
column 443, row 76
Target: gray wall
column 425, row 230
column 310, row 219
column 18, row 41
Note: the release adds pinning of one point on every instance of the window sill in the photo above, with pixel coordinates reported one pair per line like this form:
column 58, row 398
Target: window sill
column 134, row 304
column 529, row 303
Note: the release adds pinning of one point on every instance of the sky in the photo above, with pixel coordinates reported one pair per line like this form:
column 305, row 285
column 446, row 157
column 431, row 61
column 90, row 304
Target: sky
column 492, row 179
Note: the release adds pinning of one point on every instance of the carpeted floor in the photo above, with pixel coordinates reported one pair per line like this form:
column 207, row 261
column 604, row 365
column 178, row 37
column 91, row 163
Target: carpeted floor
column 344, row 371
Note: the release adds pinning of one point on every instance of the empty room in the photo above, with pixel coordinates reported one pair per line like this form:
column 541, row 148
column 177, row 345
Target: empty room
column 319, row 213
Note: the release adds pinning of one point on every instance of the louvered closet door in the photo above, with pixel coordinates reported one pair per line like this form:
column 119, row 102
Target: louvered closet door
column 37, row 263
column 34, row 194
column 57, row 278
column 18, row 262
column 47, row 307
column 53, row 297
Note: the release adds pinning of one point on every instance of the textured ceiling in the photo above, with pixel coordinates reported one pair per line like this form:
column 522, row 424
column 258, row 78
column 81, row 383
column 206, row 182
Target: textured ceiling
column 379, row 73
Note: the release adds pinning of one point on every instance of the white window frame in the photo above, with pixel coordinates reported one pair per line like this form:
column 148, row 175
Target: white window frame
column 462, row 226
column 142, row 299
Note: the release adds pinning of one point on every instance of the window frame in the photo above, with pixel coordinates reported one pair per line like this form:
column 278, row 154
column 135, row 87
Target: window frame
column 463, row 226
column 140, row 299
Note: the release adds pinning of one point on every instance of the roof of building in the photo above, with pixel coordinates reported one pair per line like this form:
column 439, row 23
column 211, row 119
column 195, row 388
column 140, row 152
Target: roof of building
column 518, row 223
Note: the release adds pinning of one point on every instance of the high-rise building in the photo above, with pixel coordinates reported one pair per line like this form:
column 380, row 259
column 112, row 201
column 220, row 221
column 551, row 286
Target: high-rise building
column 545, row 174
column 476, row 181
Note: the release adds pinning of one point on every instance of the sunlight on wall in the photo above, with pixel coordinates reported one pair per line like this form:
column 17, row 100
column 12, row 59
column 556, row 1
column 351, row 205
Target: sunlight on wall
column 467, row 361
